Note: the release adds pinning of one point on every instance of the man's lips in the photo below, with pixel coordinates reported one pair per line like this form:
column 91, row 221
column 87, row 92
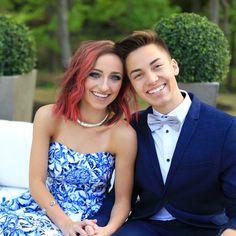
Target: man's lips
column 157, row 89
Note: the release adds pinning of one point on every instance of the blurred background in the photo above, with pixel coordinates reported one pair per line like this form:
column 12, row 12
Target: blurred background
column 60, row 25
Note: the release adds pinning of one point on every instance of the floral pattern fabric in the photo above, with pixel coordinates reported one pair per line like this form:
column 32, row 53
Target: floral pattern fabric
column 79, row 182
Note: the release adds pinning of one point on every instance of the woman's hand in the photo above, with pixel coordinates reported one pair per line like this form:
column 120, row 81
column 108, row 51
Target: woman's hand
column 83, row 228
column 103, row 231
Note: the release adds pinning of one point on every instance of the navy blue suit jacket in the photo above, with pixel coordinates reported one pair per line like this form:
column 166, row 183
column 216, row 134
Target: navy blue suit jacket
column 201, row 185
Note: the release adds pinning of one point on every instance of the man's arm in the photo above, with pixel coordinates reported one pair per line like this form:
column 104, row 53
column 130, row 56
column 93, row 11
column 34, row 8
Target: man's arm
column 103, row 215
column 229, row 179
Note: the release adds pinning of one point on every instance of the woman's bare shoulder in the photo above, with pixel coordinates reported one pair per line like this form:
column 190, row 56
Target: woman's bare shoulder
column 124, row 140
column 45, row 117
column 45, row 113
column 123, row 130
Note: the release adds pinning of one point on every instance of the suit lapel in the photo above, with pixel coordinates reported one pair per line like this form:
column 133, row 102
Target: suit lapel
column 187, row 131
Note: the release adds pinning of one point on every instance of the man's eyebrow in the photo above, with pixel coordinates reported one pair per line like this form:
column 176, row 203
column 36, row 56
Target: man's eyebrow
column 154, row 61
column 151, row 63
column 133, row 71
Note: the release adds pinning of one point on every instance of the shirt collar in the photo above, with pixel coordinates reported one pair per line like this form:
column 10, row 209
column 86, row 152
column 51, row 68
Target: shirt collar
column 181, row 110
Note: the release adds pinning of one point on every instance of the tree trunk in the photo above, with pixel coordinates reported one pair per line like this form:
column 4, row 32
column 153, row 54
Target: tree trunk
column 196, row 6
column 230, row 77
column 224, row 5
column 214, row 11
column 62, row 10
column 232, row 40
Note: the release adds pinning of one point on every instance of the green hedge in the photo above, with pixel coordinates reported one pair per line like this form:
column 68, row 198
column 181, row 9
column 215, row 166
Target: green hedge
column 17, row 48
column 198, row 45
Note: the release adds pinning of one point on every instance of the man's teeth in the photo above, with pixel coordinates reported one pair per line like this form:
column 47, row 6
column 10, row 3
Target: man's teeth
column 156, row 89
column 100, row 95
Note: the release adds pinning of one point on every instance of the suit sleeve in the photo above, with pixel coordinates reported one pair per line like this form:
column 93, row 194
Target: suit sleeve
column 103, row 215
column 229, row 175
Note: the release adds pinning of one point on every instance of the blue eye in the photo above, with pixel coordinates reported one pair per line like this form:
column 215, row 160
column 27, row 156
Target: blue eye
column 95, row 75
column 115, row 77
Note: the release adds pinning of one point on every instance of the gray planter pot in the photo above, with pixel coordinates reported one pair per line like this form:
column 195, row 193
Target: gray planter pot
column 206, row 92
column 17, row 96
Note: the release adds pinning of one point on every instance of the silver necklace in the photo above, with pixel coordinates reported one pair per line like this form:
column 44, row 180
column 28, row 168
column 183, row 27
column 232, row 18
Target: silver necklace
column 91, row 125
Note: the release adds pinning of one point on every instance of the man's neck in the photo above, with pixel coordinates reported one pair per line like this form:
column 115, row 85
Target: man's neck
column 176, row 101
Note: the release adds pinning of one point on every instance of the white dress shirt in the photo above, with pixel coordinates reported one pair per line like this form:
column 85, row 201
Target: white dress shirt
column 165, row 141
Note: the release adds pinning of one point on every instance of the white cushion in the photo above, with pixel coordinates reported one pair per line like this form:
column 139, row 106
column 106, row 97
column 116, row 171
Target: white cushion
column 15, row 145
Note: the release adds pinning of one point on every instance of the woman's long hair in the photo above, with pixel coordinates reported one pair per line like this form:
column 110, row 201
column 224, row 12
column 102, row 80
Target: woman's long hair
column 73, row 80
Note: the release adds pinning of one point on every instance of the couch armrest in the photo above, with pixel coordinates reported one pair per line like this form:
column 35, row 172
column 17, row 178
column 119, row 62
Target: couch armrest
column 15, row 145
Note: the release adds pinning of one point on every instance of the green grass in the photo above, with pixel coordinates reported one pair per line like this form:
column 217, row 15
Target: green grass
column 227, row 102
column 45, row 95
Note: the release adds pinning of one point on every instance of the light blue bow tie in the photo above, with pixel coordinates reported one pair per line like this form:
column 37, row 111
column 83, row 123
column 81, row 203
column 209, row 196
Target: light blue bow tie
column 156, row 122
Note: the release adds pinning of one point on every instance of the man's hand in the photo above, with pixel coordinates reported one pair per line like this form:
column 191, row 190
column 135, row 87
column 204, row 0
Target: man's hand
column 229, row 232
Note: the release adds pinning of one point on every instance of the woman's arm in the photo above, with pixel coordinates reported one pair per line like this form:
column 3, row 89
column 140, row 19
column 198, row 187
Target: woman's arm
column 125, row 146
column 45, row 127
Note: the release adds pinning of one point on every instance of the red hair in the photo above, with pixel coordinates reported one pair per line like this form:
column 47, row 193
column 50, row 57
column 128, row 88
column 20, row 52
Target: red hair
column 72, row 86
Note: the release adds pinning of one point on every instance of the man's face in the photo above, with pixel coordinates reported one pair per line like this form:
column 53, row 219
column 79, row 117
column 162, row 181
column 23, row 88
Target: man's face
column 152, row 73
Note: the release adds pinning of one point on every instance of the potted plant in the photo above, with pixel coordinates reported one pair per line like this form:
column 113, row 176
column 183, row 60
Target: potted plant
column 17, row 73
column 201, row 50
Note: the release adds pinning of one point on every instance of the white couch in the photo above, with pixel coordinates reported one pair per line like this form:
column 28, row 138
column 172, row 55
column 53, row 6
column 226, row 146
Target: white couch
column 15, row 145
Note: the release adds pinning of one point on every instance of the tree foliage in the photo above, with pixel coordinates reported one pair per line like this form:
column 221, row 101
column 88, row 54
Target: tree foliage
column 97, row 19
column 17, row 47
column 198, row 45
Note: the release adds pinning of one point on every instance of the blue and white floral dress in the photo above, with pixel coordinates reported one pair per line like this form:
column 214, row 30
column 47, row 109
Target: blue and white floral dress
column 79, row 182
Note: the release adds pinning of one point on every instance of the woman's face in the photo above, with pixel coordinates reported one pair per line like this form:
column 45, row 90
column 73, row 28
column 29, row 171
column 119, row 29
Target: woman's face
column 103, row 83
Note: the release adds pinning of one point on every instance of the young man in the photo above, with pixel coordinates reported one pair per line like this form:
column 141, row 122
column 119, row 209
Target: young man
column 185, row 177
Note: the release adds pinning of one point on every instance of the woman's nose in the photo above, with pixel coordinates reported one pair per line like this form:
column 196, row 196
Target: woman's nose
column 104, row 85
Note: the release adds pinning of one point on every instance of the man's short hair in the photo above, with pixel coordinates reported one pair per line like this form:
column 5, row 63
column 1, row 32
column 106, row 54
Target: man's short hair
column 139, row 39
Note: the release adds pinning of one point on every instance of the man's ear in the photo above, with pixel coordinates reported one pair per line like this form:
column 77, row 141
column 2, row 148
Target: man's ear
column 175, row 67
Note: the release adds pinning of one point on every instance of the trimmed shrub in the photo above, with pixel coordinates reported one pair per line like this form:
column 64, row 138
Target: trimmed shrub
column 17, row 48
column 198, row 45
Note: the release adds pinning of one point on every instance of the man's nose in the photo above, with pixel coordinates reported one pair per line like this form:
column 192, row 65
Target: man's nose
column 151, row 77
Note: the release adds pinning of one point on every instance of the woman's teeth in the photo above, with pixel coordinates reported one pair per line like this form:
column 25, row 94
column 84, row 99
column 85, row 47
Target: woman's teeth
column 101, row 95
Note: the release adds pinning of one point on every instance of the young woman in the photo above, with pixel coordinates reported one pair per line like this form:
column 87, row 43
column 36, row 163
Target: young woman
column 76, row 143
